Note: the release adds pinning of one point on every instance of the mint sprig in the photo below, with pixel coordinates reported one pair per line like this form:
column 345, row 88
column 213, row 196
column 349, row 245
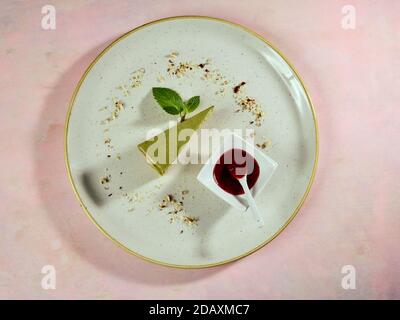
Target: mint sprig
column 172, row 103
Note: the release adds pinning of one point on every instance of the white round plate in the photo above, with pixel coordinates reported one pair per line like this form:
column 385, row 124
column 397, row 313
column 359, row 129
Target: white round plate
column 126, row 208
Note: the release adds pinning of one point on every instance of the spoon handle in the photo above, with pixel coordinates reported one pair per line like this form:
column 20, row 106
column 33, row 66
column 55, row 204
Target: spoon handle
column 251, row 201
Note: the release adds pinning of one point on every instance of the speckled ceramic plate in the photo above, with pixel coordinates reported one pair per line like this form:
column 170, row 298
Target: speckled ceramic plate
column 121, row 193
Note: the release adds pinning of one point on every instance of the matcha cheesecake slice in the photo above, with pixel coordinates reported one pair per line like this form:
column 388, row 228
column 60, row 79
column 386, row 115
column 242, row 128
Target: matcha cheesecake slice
column 163, row 149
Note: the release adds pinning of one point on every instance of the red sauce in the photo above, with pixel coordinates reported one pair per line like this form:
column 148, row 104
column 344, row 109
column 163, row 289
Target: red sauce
column 234, row 164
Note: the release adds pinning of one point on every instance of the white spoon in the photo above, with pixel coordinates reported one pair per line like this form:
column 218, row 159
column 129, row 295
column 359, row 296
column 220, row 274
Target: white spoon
column 250, row 200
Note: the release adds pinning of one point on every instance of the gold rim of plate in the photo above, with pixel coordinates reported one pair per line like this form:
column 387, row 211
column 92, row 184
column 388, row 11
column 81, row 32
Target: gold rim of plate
column 71, row 104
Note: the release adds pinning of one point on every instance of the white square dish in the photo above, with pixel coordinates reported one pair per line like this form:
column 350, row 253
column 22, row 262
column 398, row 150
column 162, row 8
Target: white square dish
column 234, row 141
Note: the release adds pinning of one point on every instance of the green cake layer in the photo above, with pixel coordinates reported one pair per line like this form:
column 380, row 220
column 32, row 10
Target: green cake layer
column 163, row 149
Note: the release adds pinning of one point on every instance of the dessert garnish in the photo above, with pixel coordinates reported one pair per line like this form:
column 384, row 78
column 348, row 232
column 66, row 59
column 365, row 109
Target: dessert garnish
column 237, row 87
column 171, row 102
column 176, row 210
column 136, row 78
column 265, row 144
column 248, row 104
column 118, row 107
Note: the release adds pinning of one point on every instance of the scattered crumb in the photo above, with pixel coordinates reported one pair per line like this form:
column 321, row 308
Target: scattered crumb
column 124, row 89
column 249, row 104
column 236, row 88
column 184, row 68
column 105, row 180
column 168, row 200
column 118, row 107
column 136, row 78
column 190, row 220
column 176, row 210
column 264, row 144
column 172, row 55
column 215, row 76
column 180, row 70
column 204, row 64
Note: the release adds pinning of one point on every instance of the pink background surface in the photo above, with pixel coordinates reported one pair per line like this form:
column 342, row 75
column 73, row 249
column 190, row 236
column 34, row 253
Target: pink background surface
column 352, row 214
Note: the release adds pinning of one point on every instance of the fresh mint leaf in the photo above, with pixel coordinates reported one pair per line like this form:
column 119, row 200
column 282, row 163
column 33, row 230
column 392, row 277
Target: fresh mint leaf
column 172, row 102
column 192, row 103
column 171, row 110
column 169, row 100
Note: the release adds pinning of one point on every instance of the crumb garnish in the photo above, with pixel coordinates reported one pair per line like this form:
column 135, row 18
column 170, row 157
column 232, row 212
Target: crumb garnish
column 185, row 68
column 124, row 89
column 190, row 220
column 105, row 180
column 118, row 107
column 172, row 55
column 176, row 211
column 136, row 78
column 249, row 104
column 265, row 144
column 237, row 87
column 179, row 70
